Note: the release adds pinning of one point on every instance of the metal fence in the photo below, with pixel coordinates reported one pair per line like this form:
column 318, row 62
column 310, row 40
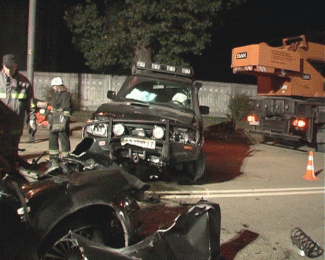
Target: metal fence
column 89, row 90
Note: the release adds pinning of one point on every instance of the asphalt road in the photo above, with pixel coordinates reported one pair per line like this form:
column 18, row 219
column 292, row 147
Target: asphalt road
column 262, row 194
column 260, row 189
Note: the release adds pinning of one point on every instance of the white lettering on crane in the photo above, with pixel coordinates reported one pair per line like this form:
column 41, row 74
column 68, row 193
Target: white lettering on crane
column 241, row 55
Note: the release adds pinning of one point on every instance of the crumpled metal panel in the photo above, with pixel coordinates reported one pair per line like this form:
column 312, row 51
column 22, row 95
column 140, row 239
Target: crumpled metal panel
column 50, row 199
column 195, row 235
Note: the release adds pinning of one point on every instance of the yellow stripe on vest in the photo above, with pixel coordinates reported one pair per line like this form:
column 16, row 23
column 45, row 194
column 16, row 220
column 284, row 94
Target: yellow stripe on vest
column 14, row 95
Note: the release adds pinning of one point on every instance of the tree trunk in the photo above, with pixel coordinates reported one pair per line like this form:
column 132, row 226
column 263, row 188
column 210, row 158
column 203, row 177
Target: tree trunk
column 142, row 53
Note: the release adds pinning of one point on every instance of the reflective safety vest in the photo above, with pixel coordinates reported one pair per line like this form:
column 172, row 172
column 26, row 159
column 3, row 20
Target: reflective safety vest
column 14, row 95
column 17, row 99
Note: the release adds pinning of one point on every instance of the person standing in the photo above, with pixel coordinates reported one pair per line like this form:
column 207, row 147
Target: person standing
column 17, row 99
column 59, row 122
column 32, row 131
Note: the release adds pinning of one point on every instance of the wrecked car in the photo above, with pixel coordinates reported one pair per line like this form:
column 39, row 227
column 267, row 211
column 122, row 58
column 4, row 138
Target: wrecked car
column 37, row 211
column 153, row 122
column 195, row 235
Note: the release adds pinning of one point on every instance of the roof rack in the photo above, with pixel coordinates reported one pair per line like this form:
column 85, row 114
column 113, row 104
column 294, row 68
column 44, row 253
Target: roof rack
column 149, row 66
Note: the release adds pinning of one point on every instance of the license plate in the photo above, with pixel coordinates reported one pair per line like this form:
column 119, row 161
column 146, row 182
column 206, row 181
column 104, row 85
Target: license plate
column 97, row 130
column 144, row 143
column 254, row 123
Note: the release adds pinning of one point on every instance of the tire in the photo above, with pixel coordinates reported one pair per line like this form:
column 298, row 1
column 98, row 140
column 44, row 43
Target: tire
column 62, row 249
column 56, row 247
column 320, row 136
column 320, row 147
column 143, row 172
column 196, row 168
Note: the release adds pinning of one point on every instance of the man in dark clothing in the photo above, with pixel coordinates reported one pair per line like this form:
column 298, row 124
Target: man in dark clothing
column 59, row 122
column 17, row 99
column 32, row 131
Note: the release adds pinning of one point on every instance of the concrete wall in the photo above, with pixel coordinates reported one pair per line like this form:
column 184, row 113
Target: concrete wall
column 217, row 95
column 89, row 90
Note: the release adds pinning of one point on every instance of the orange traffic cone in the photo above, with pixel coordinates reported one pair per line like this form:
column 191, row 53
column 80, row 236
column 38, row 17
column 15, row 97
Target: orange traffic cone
column 310, row 172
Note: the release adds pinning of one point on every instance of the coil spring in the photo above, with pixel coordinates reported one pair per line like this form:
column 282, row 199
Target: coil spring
column 305, row 243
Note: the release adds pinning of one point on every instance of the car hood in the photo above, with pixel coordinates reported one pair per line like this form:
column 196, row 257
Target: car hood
column 142, row 111
column 101, row 179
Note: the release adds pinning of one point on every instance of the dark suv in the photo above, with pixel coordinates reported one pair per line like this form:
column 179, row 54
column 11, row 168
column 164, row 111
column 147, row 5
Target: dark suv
column 154, row 120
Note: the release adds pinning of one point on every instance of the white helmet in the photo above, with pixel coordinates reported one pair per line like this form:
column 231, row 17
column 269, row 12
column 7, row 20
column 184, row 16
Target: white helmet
column 57, row 82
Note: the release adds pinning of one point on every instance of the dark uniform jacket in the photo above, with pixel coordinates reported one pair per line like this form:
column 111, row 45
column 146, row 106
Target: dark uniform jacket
column 59, row 119
column 61, row 101
column 16, row 97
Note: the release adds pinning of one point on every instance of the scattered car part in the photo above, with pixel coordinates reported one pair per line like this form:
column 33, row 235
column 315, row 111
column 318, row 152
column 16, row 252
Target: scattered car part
column 195, row 234
column 305, row 243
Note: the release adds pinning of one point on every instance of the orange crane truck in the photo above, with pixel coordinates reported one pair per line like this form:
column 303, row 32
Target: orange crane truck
column 290, row 105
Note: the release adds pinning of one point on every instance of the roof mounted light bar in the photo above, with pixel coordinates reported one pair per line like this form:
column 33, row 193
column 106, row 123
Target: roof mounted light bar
column 187, row 72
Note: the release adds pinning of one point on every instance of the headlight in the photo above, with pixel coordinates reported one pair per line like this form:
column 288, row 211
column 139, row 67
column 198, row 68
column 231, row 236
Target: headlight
column 186, row 136
column 191, row 137
column 118, row 129
column 158, row 132
column 97, row 130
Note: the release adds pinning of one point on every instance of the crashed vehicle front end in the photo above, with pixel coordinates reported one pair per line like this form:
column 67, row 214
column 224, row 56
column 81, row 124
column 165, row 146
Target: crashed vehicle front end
column 155, row 119
column 98, row 204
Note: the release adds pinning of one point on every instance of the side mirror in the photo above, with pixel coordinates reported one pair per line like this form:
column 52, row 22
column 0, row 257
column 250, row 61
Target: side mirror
column 204, row 110
column 111, row 95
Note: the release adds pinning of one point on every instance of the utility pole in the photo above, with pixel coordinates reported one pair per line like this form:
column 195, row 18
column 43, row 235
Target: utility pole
column 31, row 40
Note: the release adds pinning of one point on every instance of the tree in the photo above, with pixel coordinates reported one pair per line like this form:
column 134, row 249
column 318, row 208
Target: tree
column 114, row 33
column 240, row 106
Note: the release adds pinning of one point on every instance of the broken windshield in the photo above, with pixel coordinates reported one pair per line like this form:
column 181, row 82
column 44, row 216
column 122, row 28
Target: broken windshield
column 159, row 92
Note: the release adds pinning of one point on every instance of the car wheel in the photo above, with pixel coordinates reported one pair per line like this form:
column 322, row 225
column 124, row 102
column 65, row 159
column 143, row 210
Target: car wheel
column 196, row 168
column 62, row 248
column 96, row 224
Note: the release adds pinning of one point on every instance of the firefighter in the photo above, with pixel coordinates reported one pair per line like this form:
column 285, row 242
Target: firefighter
column 59, row 122
column 17, row 99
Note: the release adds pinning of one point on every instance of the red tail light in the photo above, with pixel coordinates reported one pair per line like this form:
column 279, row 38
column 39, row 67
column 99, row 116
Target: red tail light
column 252, row 120
column 299, row 123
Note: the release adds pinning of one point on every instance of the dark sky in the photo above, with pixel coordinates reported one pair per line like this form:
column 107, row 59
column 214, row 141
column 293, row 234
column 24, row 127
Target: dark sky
column 253, row 22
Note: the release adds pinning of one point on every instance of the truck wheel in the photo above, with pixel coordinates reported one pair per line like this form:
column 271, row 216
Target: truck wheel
column 143, row 172
column 196, row 168
column 320, row 139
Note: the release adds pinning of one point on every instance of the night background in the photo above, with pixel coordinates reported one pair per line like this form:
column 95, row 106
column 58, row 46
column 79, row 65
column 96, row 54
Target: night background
column 252, row 22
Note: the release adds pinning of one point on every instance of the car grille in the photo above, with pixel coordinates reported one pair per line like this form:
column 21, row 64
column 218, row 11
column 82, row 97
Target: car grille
column 144, row 131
